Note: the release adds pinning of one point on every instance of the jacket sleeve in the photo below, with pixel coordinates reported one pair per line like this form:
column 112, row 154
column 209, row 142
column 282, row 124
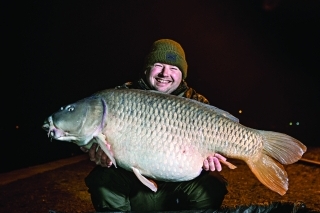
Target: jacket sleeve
column 126, row 85
column 192, row 94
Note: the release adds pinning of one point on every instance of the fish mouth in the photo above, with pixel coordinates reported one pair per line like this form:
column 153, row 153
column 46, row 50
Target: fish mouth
column 58, row 134
column 53, row 131
column 46, row 126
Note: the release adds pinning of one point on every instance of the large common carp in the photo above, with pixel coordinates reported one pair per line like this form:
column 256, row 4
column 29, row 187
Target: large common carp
column 167, row 137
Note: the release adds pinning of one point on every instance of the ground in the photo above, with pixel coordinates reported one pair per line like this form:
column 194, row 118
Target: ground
column 63, row 189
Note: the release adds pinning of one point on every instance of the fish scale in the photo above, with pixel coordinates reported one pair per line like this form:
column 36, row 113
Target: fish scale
column 167, row 137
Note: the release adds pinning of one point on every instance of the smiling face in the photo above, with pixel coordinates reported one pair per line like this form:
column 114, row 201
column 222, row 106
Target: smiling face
column 164, row 77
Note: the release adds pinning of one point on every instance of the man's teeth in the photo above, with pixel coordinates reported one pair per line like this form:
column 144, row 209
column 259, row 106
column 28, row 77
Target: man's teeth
column 163, row 81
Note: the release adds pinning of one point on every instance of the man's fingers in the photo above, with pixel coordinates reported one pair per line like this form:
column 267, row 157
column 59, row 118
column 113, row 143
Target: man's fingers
column 92, row 152
column 217, row 164
column 224, row 161
column 109, row 162
column 105, row 161
column 205, row 165
column 212, row 166
column 84, row 149
column 99, row 154
column 212, row 163
column 220, row 157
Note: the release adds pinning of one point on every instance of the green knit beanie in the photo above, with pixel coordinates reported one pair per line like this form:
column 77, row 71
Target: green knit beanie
column 168, row 52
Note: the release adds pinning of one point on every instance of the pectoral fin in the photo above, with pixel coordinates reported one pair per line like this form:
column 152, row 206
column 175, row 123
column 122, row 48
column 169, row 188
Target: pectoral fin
column 150, row 184
column 100, row 138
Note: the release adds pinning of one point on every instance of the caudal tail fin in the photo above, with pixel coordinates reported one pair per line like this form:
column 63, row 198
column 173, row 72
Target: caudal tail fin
column 278, row 149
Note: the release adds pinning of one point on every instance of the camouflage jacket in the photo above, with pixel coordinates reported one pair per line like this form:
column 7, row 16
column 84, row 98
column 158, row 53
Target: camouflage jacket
column 183, row 90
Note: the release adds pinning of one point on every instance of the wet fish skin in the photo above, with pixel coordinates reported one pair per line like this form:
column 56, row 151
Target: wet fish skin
column 167, row 138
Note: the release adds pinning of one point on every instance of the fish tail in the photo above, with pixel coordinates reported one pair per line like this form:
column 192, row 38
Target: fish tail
column 278, row 149
column 282, row 147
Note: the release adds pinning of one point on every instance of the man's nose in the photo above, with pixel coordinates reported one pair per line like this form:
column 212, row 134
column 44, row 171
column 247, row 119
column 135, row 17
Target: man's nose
column 165, row 71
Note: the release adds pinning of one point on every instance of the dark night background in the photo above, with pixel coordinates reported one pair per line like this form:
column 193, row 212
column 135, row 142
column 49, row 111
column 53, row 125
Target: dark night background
column 260, row 56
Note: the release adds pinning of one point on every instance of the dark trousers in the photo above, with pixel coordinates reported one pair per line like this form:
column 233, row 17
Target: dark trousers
column 115, row 189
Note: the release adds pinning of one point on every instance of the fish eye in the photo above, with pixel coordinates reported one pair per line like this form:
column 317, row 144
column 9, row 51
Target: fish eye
column 70, row 108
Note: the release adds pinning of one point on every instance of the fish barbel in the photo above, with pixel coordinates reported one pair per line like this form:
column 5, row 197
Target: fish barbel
column 167, row 138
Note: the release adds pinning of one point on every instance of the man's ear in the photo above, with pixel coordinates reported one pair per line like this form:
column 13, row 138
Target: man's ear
column 147, row 70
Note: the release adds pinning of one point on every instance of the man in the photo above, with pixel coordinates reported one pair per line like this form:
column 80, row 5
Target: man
column 115, row 189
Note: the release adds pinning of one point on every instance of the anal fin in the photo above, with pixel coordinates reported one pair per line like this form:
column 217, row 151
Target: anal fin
column 228, row 164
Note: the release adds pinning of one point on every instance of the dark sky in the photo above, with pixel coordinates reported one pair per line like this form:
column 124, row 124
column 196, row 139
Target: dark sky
column 258, row 56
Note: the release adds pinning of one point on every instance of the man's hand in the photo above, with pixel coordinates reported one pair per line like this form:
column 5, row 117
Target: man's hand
column 212, row 163
column 97, row 155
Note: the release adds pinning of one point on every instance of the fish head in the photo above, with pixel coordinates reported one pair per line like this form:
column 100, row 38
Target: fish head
column 78, row 122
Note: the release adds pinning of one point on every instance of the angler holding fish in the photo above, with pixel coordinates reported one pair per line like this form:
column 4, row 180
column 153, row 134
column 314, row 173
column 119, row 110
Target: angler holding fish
column 164, row 71
column 159, row 145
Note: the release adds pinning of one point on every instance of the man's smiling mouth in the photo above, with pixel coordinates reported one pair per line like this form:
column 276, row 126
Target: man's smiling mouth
column 162, row 80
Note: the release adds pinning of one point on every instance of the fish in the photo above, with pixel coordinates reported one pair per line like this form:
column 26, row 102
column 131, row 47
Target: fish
column 165, row 137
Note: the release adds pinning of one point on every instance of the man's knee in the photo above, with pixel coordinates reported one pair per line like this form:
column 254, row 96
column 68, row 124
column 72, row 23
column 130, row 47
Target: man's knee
column 109, row 189
column 205, row 192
